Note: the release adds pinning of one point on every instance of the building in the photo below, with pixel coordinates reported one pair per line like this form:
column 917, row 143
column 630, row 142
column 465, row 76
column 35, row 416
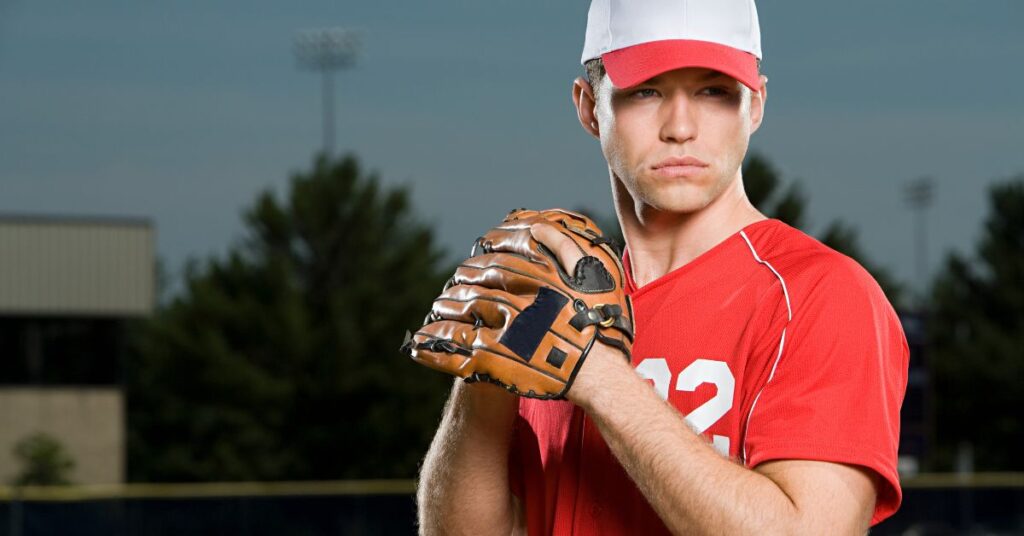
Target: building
column 69, row 288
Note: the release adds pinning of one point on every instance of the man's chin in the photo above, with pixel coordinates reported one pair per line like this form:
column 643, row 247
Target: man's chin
column 677, row 204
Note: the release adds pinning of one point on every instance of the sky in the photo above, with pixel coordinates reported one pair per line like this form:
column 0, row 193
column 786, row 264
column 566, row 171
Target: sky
column 182, row 112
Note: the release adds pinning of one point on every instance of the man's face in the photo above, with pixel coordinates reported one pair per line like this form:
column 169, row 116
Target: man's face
column 693, row 112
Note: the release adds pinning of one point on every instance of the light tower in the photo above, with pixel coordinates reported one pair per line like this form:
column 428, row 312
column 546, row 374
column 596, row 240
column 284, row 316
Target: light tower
column 918, row 194
column 327, row 50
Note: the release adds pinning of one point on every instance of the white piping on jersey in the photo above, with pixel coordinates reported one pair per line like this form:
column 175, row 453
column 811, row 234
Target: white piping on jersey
column 785, row 292
column 782, row 340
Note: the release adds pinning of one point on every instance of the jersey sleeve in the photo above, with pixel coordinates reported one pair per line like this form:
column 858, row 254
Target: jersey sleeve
column 838, row 382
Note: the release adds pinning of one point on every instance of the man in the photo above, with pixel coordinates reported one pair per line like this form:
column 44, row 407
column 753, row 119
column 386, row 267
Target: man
column 784, row 357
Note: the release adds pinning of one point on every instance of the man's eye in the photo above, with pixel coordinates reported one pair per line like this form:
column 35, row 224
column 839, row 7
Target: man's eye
column 716, row 91
column 645, row 93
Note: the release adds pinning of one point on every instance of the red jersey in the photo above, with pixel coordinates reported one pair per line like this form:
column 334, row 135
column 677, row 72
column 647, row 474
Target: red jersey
column 772, row 345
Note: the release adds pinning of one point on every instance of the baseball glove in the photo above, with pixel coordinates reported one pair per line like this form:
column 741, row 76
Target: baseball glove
column 512, row 316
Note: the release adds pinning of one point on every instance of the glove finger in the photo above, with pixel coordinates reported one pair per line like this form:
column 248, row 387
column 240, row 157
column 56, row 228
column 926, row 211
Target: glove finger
column 444, row 345
column 479, row 306
column 514, row 240
column 507, row 272
column 563, row 242
column 563, row 269
column 560, row 216
column 565, row 246
column 585, row 243
column 535, row 239
column 514, row 274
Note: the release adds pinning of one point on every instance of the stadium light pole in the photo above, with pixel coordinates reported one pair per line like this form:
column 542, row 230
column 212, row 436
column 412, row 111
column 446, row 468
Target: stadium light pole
column 327, row 50
column 918, row 194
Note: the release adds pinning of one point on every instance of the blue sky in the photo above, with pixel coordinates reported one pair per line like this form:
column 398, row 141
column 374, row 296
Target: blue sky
column 182, row 112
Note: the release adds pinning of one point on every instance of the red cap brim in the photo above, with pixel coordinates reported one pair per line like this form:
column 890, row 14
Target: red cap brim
column 630, row 66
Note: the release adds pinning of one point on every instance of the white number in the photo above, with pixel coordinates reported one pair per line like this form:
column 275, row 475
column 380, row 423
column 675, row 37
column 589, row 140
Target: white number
column 696, row 374
column 656, row 369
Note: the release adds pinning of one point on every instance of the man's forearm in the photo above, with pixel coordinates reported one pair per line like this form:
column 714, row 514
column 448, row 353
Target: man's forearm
column 693, row 488
column 463, row 486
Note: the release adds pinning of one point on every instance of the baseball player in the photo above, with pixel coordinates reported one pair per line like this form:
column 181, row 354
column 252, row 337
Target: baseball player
column 731, row 375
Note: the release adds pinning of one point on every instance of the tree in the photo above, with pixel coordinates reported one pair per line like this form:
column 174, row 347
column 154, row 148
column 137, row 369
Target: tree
column 44, row 461
column 280, row 360
column 976, row 340
column 761, row 182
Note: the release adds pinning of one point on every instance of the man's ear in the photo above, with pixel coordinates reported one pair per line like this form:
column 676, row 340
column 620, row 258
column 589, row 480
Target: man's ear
column 583, row 98
column 758, row 100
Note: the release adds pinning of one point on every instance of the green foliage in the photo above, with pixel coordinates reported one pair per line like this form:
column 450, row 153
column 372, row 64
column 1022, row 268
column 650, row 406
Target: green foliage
column 761, row 182
column 976, row 340
column 280, row 360
column 43, row 461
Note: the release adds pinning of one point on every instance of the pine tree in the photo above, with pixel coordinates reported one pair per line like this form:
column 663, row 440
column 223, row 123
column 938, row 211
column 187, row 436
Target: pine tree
column 280, row 360
column 976, row 340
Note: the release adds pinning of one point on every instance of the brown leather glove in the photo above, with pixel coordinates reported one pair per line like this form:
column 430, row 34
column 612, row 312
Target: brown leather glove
column 512, row 316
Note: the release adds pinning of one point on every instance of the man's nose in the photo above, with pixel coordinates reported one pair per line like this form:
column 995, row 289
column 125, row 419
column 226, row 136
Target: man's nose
column 678, row 120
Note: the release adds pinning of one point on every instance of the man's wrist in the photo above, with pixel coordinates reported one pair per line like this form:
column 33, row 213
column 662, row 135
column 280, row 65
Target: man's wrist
column 602, row 374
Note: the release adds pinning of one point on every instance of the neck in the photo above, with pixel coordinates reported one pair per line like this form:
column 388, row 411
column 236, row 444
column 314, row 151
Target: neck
column 660, row 241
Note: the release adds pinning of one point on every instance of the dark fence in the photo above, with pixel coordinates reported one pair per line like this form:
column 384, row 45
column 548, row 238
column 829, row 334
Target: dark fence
column 243, row 509
column 966, row 510
column 933, row 505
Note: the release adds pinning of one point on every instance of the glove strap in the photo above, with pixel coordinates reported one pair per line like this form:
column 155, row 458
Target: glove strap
column 604, row 315
column 614, row 244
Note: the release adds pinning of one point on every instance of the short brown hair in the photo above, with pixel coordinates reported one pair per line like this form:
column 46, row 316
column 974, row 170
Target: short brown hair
column 594, row 70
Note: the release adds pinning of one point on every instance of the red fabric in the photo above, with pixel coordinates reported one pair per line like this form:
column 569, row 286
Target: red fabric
column 630, row 66
column 723, row 322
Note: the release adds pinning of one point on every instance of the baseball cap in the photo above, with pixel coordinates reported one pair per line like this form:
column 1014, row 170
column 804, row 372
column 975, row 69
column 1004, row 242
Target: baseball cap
column 640, row 39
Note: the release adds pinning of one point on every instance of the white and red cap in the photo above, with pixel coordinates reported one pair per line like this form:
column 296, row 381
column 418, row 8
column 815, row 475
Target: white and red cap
column 640, row 39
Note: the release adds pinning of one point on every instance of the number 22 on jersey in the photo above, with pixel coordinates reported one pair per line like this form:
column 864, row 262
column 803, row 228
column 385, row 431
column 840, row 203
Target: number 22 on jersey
column 699, row 372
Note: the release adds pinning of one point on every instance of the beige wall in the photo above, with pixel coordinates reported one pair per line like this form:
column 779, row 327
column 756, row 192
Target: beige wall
column 89, row 422
column 54, row 266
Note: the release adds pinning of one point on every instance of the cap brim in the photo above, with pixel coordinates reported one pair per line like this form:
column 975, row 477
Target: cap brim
column 630, row 66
